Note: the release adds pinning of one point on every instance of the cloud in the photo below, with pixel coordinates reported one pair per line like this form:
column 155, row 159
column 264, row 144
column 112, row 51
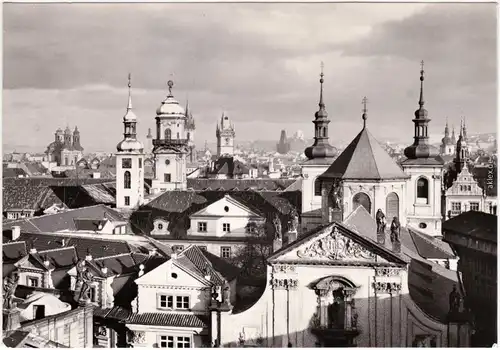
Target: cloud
column 68, row 63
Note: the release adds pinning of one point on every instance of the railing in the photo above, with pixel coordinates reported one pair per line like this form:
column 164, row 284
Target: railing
column 170, row 142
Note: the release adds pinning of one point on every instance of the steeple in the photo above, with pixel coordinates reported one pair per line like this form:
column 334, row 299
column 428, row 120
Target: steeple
column 446, row 129
column 129, row 106
column 465, row 131
column 453, row 138
column 321, row 147
column 421, row 149
column 130, row 142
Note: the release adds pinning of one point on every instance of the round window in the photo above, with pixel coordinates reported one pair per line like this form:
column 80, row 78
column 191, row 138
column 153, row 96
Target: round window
column 422, row 225
column 167, row 162
column 226, row 208
column 174, row 275
column 160, row 226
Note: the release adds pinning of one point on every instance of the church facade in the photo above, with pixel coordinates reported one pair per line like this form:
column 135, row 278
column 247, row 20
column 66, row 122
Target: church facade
column 66, row 149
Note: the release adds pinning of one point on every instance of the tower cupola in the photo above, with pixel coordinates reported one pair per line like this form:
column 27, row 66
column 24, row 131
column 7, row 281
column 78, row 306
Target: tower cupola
column 130, row 142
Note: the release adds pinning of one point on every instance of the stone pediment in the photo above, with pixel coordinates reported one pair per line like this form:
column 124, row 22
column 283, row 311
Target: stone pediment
column 333, row 246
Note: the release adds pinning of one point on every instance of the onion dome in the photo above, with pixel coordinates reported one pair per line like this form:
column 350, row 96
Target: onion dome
column 130, row 145
column 59, row 131
column 77, row 132
column 67, row 131
column 170, row 106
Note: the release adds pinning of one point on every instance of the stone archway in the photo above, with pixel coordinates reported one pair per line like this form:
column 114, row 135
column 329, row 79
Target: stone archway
column 363, row 199
column 392, row 206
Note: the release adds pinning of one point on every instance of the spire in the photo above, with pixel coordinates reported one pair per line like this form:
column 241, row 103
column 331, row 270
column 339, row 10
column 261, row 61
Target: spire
column 129, row 106
column 421, row 100
column 321, row 103
column 461, row 128
column 364, row 101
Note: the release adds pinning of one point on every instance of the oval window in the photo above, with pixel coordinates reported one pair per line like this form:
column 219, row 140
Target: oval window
column 174, row 275
column 167, row 162
column 226, row 208
column 160, row 226
column 422, row 225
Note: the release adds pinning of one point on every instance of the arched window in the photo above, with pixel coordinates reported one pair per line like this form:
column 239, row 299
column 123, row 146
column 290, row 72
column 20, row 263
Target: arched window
column 168, row 134
column 422, row 190
column 362, row 199
column 189, row 136
column 317, row 187
column 392, row 206
column 126, row 180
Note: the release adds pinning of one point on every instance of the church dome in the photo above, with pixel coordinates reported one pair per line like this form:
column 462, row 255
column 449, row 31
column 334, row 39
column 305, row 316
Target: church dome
column 446, row 141
column 129, row 145
column 170, row 106
column 67, row 131
column 130, row 116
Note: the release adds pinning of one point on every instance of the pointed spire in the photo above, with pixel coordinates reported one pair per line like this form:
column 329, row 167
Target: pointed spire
column 321, row 103
column 364, row 101
column 129, row 106
column 421, row 100
column 461, row 128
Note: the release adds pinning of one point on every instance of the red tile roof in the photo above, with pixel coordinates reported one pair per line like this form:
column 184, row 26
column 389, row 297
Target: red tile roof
column 169, row 319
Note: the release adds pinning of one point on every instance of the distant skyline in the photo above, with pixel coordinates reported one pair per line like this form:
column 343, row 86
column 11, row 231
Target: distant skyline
column 67, row 65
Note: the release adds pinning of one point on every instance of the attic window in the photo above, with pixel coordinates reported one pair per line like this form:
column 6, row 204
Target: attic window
column 174, row 275
column 422, row 225
column 226, row 208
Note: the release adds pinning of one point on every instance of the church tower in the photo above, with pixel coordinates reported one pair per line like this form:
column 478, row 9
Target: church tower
column 190, row 129
column 225, row 137
column 447, row 145
column 170, row 148
column 320, row 156
column 129, row 162
column 424, row 166
column 462, row 153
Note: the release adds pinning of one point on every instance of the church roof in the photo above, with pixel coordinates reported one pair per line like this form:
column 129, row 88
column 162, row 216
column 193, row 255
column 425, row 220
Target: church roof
column 364, row 159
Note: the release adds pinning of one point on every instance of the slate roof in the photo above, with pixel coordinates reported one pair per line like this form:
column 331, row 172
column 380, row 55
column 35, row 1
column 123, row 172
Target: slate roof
column 59, row 258
column 230, row 167
column 474, row 224
column 168, row 319
column 429, row 247
column 14, row 251
column 12, row 172
column 68, row 220
column 364, row 159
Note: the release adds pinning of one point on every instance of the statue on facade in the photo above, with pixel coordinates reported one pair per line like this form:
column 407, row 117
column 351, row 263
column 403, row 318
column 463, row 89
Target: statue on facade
column 395, row 230
column 381, row 223
column 454, row 300
column 9, row 288
column 84, row 278
column 277, row 227
column 336, row 196
column 294, row 221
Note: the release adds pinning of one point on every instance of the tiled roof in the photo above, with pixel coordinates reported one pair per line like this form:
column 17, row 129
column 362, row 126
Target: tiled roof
column 66, row 220
column 168, row 319
column 365, row 159
column 429, row 247
column 257, row 184
column 98, row 247
column 12, row 172
column 89, row 224
column 201, row 265
column 60, row 258
column 230, row 166
column 475, row 224
column 14, row 251
column 437, row 161
column 227, row 270
column 117, row 264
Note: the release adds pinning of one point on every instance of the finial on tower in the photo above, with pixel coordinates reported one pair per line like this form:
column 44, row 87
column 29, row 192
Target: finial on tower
column 321, row 103
column 129, row 106
column 170, row 84
column 364, row 101
column 421, row 101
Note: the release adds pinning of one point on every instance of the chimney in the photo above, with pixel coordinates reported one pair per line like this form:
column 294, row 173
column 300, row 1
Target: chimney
column 141, row 270
column 173, row 255
column 16, row 232
column 33, row 251
column 104, row 270
column 46, row 262
column 88, row 257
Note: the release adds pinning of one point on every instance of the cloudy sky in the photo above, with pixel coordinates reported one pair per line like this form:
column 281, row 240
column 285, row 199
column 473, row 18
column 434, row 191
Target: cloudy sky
column 67, row 64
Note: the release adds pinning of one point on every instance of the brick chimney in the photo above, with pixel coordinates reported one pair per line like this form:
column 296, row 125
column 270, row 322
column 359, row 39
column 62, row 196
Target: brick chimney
column 16, row 232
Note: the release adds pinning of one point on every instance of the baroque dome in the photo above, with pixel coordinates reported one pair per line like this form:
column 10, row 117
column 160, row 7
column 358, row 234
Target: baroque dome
column 170, row 106
column 129, row 145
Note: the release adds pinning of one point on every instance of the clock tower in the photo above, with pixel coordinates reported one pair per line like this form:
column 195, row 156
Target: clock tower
column 225, row 137
column 170, row 147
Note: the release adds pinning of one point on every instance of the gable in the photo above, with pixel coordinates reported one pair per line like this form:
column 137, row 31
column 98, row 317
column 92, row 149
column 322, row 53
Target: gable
column 336, row 244
column 170, row 274
column 227, row 207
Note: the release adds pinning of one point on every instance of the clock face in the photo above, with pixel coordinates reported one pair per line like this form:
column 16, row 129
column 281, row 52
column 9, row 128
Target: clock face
column 228, row 140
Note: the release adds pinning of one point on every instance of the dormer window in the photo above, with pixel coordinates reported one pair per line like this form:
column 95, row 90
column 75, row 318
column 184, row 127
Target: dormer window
column 160, row 227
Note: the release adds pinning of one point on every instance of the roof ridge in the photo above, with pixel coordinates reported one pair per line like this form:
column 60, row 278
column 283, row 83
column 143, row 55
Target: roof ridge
column 14, row 242
column 55, row 249
column 113, row 256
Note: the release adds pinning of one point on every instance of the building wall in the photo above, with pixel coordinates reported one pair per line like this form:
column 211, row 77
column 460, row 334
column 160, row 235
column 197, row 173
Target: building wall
column 176, row 167
column 310, row 201
column 176, row 125
column 282, row 316
column 418, row 213
column 136, row 190
column 72, row 328
column 149, row 336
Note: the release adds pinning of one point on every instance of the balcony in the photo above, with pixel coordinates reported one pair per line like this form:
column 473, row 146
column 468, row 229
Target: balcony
column 170, row 142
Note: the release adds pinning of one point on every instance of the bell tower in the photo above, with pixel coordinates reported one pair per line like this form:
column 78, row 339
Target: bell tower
column 425, row 168
column 129, row 162
column 225, row 137
column 170, row 147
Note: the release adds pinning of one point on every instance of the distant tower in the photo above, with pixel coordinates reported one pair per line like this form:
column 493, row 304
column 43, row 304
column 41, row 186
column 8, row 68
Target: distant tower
column 129, row 162
column 447, row 146
column 283, row 147
column 453, row 139
column 76, row 140
column 190, row 129
column 68, row 137
column 462, row 151
column 424, row 166
column 225, row 137
column 149, row 136
column 320, row 156
column 170, row 146
column 59, row 136
column 466, row 139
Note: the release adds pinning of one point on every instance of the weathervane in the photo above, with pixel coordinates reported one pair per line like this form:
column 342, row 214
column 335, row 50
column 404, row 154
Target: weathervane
column 322, row 66
column 129, row 80
column 170, row 84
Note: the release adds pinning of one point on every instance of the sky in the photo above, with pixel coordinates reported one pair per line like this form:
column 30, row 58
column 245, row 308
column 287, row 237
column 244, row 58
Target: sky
column 67, row 65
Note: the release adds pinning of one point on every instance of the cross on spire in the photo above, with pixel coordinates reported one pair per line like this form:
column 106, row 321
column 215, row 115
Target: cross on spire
column 129, row 106
column 422, row 66
column 364, row 101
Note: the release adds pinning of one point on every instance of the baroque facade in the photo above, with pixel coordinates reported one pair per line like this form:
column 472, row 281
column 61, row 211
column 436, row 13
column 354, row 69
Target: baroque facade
column 66, row 149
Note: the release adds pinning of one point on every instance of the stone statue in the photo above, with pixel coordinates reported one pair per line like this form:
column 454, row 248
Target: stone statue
column 226, row 295
column 277, row 227
column 9, row 288
column 381, row 223
column 395, row 230
column 336, row 196
column 84, row 278
column 454, row 300
column 294, row 220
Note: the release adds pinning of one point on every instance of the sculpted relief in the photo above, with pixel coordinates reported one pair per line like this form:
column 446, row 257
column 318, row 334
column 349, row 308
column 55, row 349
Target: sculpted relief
column 336, row 246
